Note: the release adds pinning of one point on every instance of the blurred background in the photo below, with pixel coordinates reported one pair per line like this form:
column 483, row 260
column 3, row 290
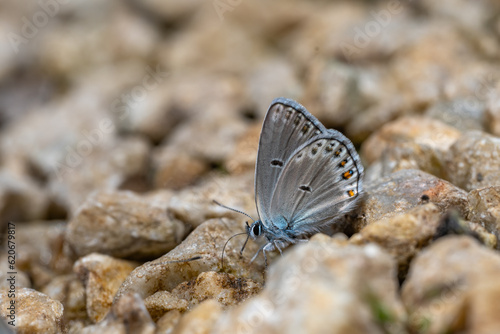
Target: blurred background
column 151, row 94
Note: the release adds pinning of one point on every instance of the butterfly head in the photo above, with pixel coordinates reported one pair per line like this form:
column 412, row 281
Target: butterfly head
column 255, row 230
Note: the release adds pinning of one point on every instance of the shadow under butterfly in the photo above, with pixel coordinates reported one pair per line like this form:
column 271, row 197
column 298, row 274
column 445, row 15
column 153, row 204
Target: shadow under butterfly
column 306, row 177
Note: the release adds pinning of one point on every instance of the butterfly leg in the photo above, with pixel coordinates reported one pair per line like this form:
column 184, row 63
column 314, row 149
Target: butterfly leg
column 276, row 244
column 256, row 254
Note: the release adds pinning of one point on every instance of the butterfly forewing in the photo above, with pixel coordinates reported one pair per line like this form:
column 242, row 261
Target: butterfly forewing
column 322, row 179
column 287, row 126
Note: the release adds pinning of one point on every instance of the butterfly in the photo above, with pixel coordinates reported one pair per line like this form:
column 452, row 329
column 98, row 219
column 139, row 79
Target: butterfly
column 306, row 177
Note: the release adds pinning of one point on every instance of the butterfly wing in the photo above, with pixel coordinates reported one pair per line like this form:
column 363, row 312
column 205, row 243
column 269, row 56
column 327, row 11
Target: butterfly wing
column 321, row 180
column 286, row 127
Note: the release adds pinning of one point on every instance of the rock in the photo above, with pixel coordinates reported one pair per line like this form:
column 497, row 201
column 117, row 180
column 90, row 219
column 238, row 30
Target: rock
column 312, row 279
column 169, row 11
column 154, row 114
column 34, row 312
column 93, row 30
column 452, row 224
column 204, row 46
column 411, row 142
column 69, row 290
column 402, row 191
column 200, row 320
column 325, row 34
column 403, row 235
column 243, row 159
column 226, row 289
column 425, row 66
column 125, row 225
column 484, row 208
column 332, row 93
column 210, row 134
column 22, row 199
column 455, row 11
column 101, row 276
column 203, row 114
column 451, row 287
column 463, row 114
column 175, row 169
column 270, row 79
column 163, row 302
column 199, row 252
column 372, row 119
column 29, row 141
column 22, row 278
column 194, row 205
column 129, row 315
column 107, row 167
column 42, row 251
column 474, row 161
column 167, row 323
column 493, row 105
column 487, row 238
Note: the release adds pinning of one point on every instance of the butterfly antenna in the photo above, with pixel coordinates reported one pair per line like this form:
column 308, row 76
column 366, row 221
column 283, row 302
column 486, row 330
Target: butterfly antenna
column 223, row 248
column 226, row 207
column 248, row 237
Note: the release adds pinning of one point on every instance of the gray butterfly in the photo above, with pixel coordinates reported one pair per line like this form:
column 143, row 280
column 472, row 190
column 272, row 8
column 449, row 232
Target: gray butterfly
column 307, row 176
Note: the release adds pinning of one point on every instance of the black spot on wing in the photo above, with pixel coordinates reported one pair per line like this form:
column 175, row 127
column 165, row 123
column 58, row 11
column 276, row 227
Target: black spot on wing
column 305, row 188
column 276, row 163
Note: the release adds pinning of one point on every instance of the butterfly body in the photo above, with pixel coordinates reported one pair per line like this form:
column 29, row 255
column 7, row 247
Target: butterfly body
column 307, row 176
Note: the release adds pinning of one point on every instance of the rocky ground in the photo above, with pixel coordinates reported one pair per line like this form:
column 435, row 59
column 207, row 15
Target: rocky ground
column 122, row 121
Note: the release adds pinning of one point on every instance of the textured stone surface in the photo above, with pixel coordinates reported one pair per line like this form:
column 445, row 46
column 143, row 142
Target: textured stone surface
column 492, row 90
column 176, row 169
column 194, row 205
column 101, row 276
column 451, row 223
column 205, row 244
column 106, row 168
column 163, row 302
column 21, row 198
column 70, row 291
column 464, row 114
column 474, row 161
column 129, row 315
column 200, row 320
column 42, row 251
column 35, row 312
column 126, row 225
column 167, row 323
column 122, row 121
column 226, row 289
column 484, row 208
column 403, row 235
column 410, row 142
column 404, row 190
column 452, row 286
column 313, row 279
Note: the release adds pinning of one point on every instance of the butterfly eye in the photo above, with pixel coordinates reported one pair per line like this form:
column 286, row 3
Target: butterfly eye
column 256, row 230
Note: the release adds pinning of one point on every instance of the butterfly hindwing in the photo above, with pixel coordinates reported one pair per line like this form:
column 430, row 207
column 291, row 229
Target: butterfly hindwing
column 287, row 126
column 321, row 179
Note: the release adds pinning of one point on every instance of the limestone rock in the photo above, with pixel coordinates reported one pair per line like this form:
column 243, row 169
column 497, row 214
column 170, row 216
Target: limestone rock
column 125, row 225
column 474, row 161
column 313, row 279
column 34, row 312
column 101, row 276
